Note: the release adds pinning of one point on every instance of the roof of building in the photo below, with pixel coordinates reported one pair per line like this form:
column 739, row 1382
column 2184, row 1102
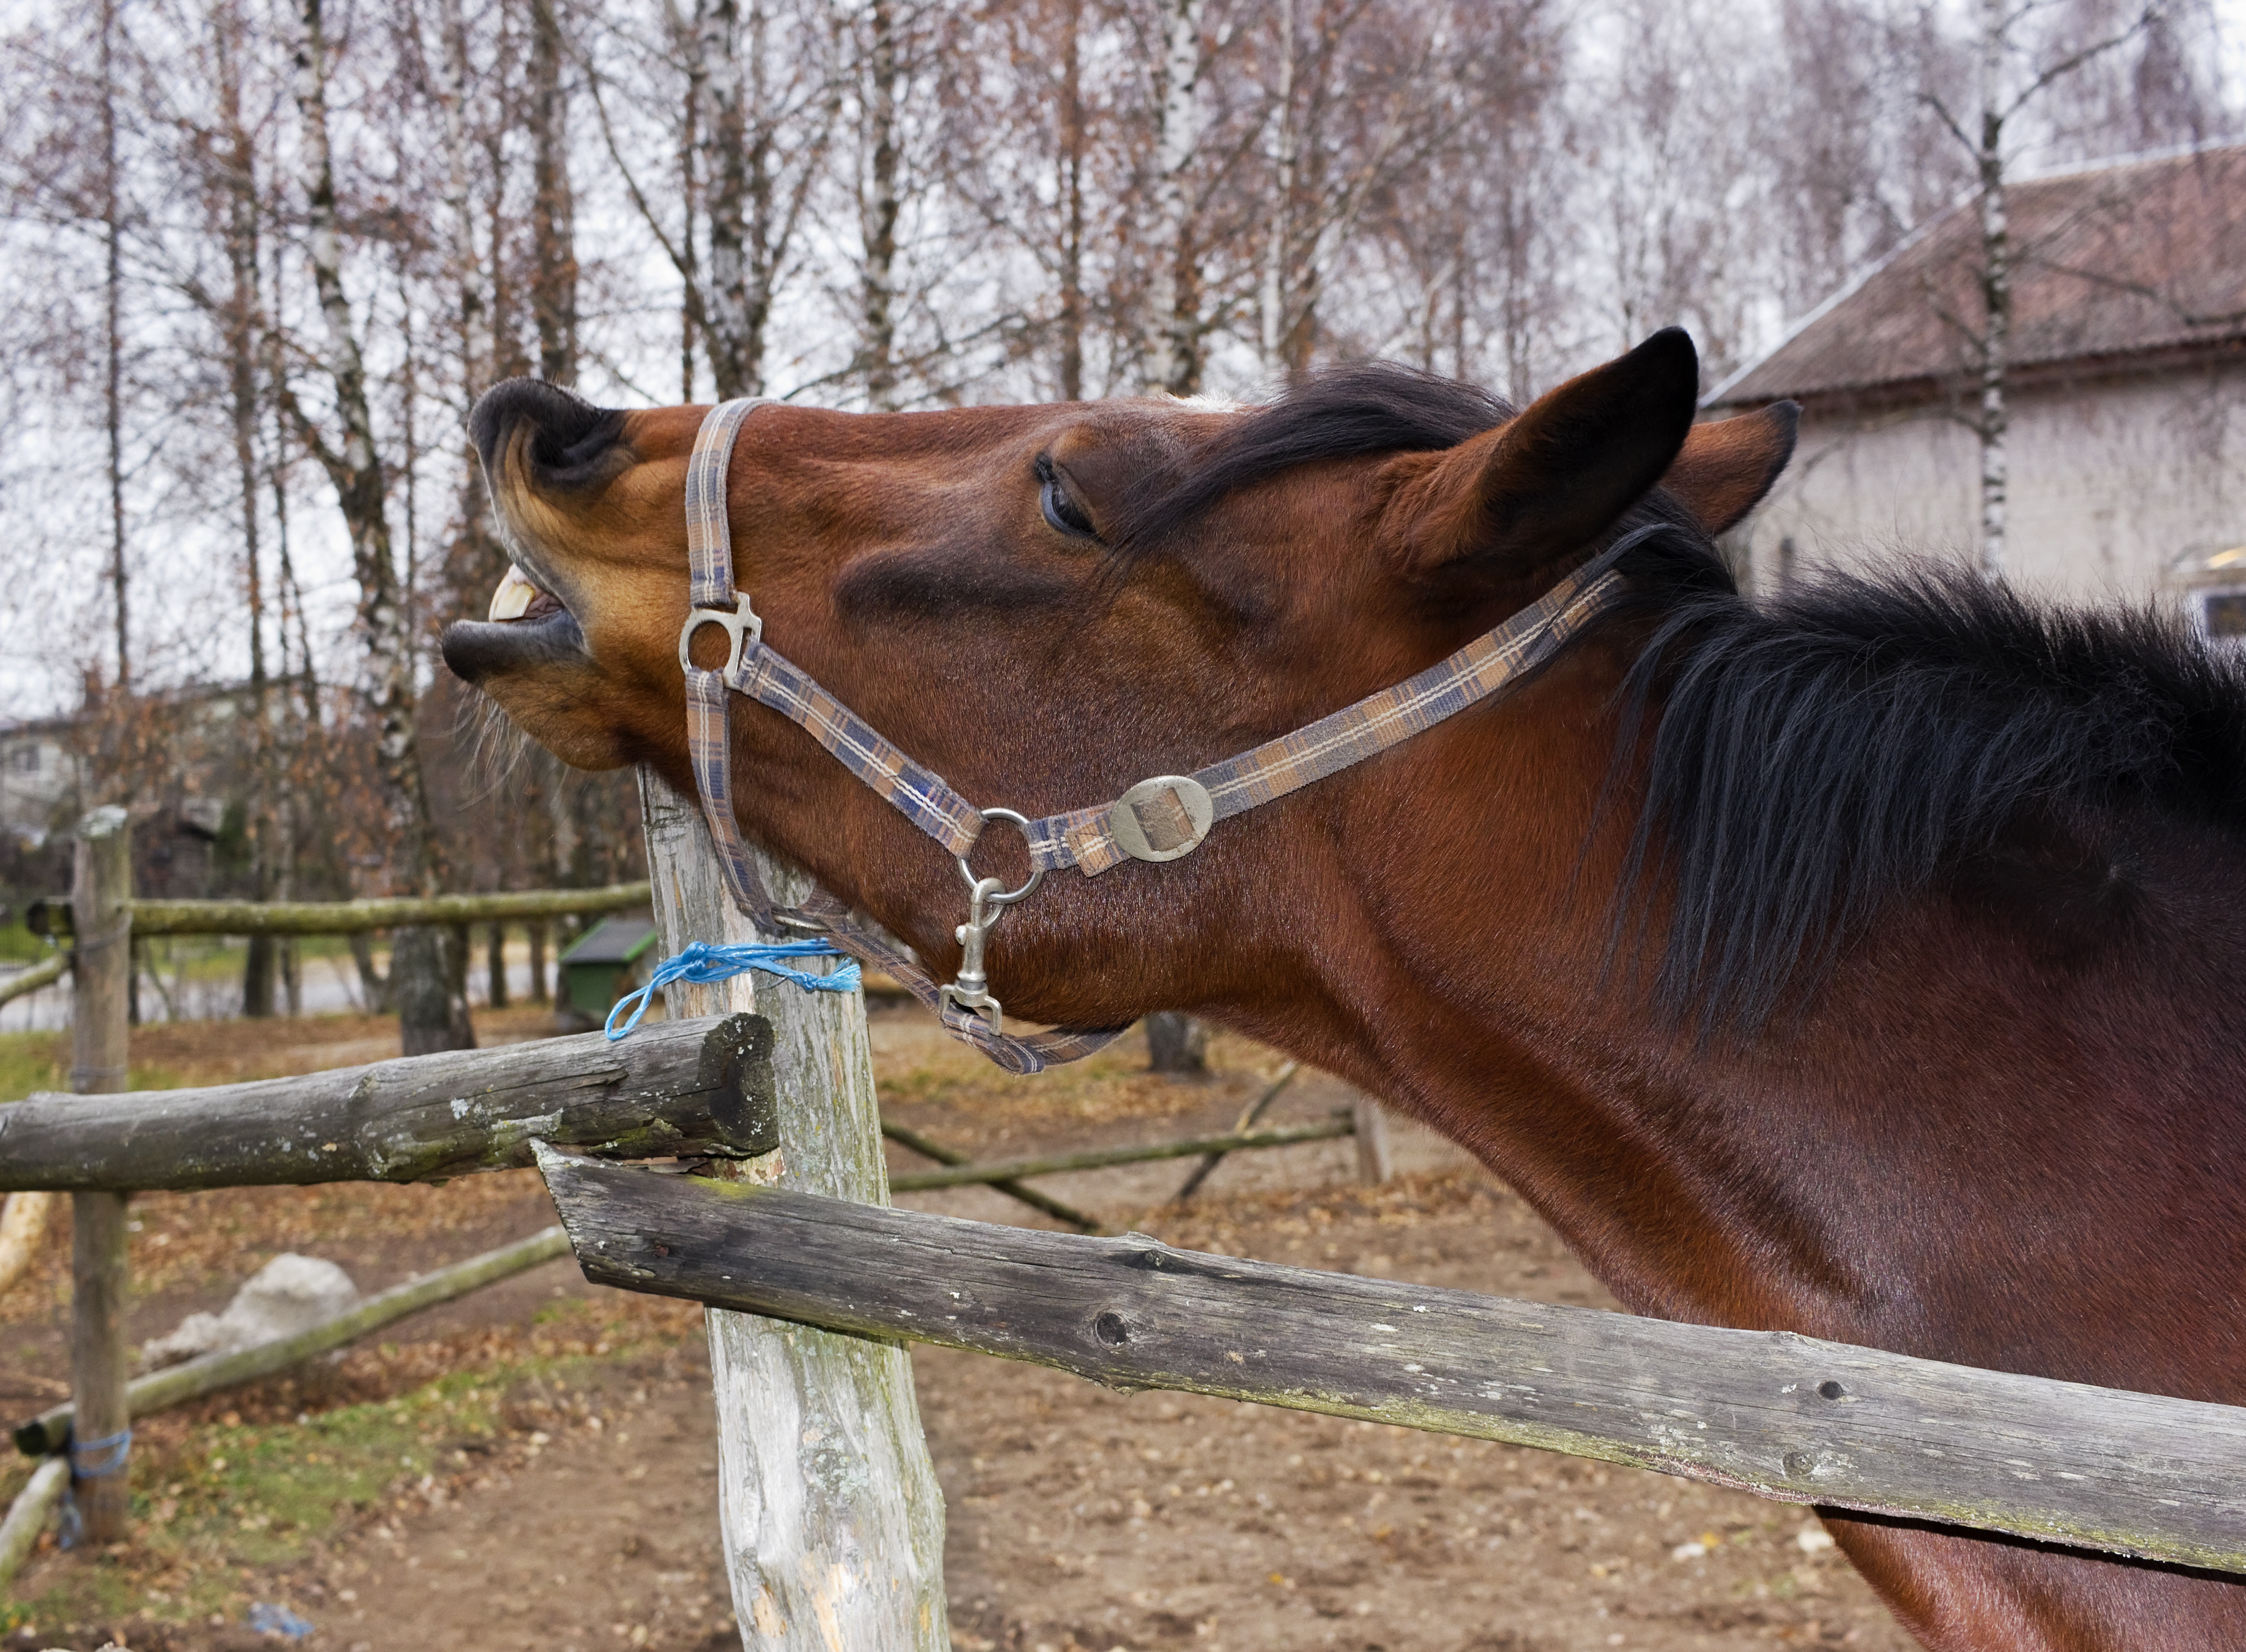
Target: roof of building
column 2137, row 258
column 619, row 939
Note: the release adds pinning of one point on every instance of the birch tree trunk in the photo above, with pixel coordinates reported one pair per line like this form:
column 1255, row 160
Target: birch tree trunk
column 433, row 1011
column 113, row 363
column 877, row 348
column 1173, row 345
column 733, row 328
column 1071, row 195
column 1994, row 419
column 832, row 1518
column 553, row 214
column 1275, row 250
column 238, row 185
column 475, row 318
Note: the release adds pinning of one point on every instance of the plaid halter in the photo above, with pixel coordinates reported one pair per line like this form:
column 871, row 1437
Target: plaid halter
column 1160, row 819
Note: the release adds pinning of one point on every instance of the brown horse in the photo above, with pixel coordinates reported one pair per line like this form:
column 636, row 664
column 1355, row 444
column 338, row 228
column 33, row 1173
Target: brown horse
column 1862, row 964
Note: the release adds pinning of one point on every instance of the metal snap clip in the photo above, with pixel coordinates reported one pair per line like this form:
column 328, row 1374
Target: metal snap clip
column 987, row 900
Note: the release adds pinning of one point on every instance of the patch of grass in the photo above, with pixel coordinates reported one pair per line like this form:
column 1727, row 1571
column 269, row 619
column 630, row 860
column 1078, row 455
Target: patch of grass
column 218, row 1500
column 32, row 1061
column 258, row 1492
column 19, row 945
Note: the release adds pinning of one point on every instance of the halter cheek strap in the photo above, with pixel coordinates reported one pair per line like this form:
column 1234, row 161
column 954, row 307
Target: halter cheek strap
column 923, row 798
column 1160, row 819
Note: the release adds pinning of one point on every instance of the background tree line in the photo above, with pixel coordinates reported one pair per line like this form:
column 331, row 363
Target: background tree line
column 262, row 254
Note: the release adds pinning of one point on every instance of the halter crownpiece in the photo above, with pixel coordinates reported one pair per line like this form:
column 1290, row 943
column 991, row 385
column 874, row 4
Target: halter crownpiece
column 1160, row 819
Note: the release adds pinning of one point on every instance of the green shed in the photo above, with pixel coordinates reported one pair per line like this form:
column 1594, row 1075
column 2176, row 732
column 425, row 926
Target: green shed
column 616, row 956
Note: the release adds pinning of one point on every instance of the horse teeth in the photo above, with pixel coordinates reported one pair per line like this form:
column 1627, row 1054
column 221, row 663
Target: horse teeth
column 515, row 594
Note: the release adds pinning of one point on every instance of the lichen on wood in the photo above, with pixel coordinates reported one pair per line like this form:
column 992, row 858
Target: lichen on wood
column 829, row 1510
column 701, row 1089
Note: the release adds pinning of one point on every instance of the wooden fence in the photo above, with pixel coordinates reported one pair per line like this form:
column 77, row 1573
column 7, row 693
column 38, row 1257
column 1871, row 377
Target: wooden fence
column 1782, row 1416
column 815, row 1284
column 691, row 1088
column 53, row 918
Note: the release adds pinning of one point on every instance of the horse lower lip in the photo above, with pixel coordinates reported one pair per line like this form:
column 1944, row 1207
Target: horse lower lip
column 476, row 650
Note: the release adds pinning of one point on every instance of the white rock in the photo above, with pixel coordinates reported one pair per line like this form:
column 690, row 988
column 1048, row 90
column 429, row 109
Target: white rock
column 1810, row 1539
column 289, row 1293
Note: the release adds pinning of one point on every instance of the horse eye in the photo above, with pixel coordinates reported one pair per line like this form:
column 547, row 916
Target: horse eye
column 1064, row 512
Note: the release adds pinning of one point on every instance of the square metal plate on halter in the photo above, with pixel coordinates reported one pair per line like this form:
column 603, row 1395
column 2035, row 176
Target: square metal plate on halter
column 1161, row 818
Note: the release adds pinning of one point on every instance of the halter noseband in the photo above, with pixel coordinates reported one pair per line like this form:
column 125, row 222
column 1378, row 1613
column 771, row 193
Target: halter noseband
column 1160, row 819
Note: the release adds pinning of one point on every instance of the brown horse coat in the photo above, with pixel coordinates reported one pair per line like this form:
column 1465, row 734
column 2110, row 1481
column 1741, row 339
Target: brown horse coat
column 1863, row 966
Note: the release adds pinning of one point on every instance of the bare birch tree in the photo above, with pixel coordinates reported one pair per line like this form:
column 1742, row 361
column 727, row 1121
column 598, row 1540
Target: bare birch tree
column 113, row 340
column 552, row 215
column 2011, row 74
column 880, row 202
column 1173, row 320
column 432, row 1008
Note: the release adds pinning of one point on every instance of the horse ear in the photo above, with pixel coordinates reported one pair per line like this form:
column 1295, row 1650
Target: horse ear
column 1725, row 468
column 1552, row 479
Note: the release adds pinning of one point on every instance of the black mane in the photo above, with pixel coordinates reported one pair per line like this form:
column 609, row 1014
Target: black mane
column 1815, row 756
column 1819, row 755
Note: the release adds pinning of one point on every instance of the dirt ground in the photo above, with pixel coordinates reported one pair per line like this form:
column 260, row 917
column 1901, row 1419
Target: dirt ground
column 532, row 1467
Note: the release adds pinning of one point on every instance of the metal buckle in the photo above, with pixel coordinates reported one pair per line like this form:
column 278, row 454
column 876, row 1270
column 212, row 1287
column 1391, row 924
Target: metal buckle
column 1161, row 818
column 987, row 900
column 737, row 622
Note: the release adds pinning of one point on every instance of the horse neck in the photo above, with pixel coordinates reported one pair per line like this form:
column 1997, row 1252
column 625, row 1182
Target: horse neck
column 1959, row 1115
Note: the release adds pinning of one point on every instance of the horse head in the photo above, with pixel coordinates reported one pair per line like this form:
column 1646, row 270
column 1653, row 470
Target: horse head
column 1046, row 604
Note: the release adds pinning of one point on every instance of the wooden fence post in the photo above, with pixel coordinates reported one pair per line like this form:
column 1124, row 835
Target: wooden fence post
column 832, row 1519
column 1374, row 1165
column 101, row 977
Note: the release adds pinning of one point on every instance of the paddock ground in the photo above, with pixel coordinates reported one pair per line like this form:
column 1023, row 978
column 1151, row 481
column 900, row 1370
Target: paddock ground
column 531, row 1468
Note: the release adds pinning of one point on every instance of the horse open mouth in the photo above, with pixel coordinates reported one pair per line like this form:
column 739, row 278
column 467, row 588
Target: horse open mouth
column 519, row 601
column 527, row 626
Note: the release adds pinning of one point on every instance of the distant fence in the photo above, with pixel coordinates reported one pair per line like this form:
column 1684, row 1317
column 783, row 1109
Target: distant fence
column 699, row 1089
column 50, row 916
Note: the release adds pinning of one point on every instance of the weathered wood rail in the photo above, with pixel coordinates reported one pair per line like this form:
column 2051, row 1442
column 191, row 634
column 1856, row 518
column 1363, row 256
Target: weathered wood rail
column 928, row 1148
column 50, row 1429
column 1013, row 1170
column 693, row 1089
column 1782, row 1416
column 19, row 1531
column 45, row 973
column 51, row 917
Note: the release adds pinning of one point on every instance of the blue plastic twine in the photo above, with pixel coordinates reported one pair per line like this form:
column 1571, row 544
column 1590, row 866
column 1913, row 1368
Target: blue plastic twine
column 703, row 963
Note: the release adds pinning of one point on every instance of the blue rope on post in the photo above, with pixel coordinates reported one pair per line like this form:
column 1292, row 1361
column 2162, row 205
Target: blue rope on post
column 703, row 963
column 94, row 1460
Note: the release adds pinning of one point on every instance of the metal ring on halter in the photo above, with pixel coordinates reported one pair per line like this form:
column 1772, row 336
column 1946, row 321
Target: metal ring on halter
column 974, row 881
column 739, row 623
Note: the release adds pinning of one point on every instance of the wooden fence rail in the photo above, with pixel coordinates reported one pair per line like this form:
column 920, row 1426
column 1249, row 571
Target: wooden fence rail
column 1782, row 1416
column 1139, row 1153
column 51, row 917
column 19, row 1532
column 696, row 1089
column 45, row 973
column 175, row 1384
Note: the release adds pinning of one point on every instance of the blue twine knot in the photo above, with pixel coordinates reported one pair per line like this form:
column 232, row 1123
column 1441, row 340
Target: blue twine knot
column 119, row 1447
column 116, row 1448
column 702, row 962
